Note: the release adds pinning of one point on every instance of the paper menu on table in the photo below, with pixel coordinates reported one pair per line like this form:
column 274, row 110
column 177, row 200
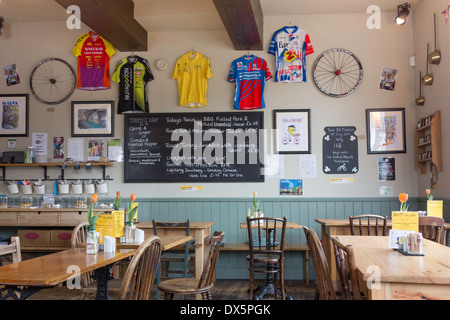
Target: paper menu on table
column 435, row 208
column 405, row 220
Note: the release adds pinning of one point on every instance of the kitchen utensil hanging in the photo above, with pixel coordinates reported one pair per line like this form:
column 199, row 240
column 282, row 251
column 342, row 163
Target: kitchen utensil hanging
column 435, row 56
column 428, row 78
column 420, row 101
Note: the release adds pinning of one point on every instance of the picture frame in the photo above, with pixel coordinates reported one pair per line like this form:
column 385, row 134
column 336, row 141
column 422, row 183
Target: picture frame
column 92, row 118
column 14, row 115
column 386, row 130
column 292, row 131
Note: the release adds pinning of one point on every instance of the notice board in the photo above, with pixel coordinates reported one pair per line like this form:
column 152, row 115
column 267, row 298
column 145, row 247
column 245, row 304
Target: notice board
column 193, row 147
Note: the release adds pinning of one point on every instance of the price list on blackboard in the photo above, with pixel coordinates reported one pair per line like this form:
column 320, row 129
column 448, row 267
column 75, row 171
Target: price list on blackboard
column 182, row 147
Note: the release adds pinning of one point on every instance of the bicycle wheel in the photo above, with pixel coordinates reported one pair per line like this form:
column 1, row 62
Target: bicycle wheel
column 52, row 81
column 337, row 72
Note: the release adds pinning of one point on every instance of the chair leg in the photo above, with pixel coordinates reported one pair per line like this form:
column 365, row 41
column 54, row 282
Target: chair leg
column 283, row 291
column 250, row 289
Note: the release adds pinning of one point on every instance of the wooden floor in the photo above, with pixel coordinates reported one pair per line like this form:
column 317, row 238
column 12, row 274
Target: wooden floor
column 223, row 290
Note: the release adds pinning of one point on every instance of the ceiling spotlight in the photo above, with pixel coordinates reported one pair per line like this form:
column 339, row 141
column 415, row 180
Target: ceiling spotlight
column 402, row 13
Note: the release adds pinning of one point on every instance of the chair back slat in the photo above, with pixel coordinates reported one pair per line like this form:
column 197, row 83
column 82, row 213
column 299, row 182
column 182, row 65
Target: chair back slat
column 365, row 226
column 432, row 228
column 138, row 280
column 209, row 267
column 324, row 284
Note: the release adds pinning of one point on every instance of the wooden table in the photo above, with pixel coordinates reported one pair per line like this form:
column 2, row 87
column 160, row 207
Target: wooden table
column 268, row 287
column 168, row 242
column 53, row 269
column 332, row 227
column 401, row 277
column 202, row 233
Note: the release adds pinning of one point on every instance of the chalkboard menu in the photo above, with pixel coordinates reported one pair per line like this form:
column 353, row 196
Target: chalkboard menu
column 193, row 147
column 340, row 150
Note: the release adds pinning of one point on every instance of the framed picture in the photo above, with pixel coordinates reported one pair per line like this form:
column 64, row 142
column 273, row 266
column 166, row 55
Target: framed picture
column 385, row 131
column 92, row 118
column 292, row 131
column 14, row 114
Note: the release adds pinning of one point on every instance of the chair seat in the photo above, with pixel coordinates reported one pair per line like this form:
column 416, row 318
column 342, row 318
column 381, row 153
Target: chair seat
column 265, row 257
column 176, row 257
column 183, row 286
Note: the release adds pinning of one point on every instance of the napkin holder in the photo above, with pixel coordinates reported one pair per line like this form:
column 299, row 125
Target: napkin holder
column 139, row 236
column 109, row 244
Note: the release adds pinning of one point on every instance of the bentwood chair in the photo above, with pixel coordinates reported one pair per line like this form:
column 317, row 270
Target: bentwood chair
column 267, row 251
column 324, row 285
column 12, row 248
column 368, row 223
column 432, row 228
column 202, row 286
column 138, row 280
column 346, row 270
column 88, row 283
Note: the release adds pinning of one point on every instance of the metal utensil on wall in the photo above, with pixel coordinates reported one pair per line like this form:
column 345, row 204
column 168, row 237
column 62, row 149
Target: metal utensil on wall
column 420, row 101
column 435, row 56
column 428, row 78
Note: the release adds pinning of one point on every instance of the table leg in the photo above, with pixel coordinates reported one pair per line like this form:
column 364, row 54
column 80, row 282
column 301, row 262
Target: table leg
column 103, row 275
column 17, row 293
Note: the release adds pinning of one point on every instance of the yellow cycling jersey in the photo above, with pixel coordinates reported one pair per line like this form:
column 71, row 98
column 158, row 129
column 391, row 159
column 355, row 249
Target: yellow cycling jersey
column 192, row 71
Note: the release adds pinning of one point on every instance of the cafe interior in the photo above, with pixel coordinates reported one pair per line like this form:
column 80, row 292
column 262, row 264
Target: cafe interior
column 224, row 150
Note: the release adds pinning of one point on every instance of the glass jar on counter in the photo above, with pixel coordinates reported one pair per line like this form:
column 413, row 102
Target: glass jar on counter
column 81, row 202
column 3, row 201
column 25, row 202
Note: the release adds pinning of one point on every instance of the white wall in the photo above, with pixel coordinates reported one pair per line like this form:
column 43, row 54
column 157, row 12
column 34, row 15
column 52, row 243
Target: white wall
column 391, row 46
column 438, row 94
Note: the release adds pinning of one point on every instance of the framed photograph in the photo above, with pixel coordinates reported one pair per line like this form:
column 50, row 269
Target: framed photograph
column 385, row 131
column 292, row 131
column 92, row 118
column 14, row 114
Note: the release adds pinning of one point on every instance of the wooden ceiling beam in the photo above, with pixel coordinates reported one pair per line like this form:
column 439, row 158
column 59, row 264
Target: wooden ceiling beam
column 113, row 20
column 243, row 20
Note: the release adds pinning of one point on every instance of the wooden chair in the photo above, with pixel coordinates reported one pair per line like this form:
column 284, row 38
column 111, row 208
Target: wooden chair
column 346, row 270
column 373, row 221
column 267, row 251
column 432, row 228
column 88, row 283
column 190, row 286
column 324, row 285
column 169, row 257
column 13, row 248
column 138, row 280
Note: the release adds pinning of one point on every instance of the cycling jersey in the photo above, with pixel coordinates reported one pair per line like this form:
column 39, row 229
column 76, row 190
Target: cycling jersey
column 132, row 74
column 93, row 53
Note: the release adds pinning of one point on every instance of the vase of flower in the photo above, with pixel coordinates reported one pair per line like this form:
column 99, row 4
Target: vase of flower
column 91, row 235
column 131, row 213
column 91, row 241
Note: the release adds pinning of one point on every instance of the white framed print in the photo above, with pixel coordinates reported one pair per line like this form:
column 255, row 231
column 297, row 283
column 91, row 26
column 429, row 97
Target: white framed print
column 292, row 131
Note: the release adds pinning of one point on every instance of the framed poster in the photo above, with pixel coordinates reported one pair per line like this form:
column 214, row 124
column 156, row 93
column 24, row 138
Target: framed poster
column 92, row 118
column 14, row 114
column 385, row 131
column 292, row 131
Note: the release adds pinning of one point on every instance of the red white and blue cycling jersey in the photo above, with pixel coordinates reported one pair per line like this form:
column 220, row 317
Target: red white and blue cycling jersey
column 290, row 46
column 250, row 74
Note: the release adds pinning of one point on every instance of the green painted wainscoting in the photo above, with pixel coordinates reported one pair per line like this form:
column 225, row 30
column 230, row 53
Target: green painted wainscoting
column 227, row 213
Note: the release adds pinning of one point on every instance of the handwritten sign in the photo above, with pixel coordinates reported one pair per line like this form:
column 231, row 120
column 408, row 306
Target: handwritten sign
column 405, row 220
column 340, row 150
column 435, row 208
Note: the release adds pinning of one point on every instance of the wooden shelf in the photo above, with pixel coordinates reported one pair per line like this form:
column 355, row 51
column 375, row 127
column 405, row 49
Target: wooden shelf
column 62, row 165
column 429, row 151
